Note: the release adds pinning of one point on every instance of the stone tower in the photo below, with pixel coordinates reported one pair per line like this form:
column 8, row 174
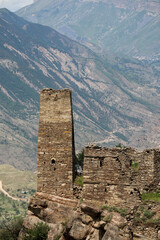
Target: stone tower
column 55, row 157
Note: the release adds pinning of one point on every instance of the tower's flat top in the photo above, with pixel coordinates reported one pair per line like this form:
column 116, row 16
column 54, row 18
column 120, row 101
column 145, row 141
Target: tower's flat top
column 51, row 90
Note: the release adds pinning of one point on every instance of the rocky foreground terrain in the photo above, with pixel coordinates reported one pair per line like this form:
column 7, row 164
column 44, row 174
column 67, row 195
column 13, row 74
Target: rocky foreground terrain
column 67, row 220
column 118, row 199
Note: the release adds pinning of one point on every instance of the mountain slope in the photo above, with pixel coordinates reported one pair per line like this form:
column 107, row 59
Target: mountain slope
column 114, row 99
column 17, row 185
column 130, row 27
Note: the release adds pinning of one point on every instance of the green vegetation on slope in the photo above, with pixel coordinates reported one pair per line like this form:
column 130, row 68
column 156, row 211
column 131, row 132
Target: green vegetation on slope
column 146, row 217
column 10, row 208
column 9, row 230
column 21, row 184
column 151, row 197
column 38, row 232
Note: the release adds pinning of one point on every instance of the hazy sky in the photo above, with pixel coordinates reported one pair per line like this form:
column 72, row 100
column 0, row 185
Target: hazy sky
column 14, row 5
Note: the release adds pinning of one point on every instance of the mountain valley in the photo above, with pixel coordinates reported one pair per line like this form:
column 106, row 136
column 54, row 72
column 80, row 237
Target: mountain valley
column 115, row 99
column 123, row 27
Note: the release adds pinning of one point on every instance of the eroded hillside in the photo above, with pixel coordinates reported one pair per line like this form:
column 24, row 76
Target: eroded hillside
column 114, row 99
column 130, row 27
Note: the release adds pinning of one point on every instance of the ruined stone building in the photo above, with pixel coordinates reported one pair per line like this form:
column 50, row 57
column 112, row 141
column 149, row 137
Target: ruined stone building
column 110, row 175
column 114, row 177
column 118, row 176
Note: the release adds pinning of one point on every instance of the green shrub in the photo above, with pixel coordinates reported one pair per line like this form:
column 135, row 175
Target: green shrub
column 38, row 232
column 137, row 220
column 110, row 208
column 10, row 230
column 141, row 208
column 138, row 214
column 113, row 209
column 119, row 145
column 5, row 235
column 105, row 207
column 146, row 219
column 80, row 158
column 153, row 222
column 122, row 211
column 79, row 181
column 147, row 214
column 135, row 165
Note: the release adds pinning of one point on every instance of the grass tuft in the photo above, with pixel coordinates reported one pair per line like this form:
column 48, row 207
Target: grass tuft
column 122, row 211
column 151, row 196
column 135, row 165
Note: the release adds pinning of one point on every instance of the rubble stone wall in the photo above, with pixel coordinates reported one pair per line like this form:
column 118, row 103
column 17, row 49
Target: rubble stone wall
column 118, row 175
column 157, row 169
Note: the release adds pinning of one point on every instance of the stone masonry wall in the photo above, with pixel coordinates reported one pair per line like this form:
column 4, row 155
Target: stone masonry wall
column 118, row 176
column 55, row 157
column 113, row 177
column 157, row 170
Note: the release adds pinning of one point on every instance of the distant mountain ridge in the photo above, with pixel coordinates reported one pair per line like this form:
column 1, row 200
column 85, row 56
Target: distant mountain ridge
column 114, row 99
column 120, row 26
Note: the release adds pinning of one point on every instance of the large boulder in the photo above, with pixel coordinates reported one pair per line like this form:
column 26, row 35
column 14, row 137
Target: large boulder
column 79, row 230
column 91, row 211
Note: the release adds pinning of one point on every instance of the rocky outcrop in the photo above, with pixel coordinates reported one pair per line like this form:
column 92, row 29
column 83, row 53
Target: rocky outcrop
column 72, row 220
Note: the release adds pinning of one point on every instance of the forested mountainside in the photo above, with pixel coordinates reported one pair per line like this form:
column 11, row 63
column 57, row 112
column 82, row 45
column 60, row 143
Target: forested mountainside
column 120, row 26
column 114, row 99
